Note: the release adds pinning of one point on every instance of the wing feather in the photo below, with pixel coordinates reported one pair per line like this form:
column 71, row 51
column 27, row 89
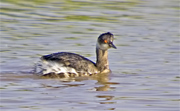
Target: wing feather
column 78, row 62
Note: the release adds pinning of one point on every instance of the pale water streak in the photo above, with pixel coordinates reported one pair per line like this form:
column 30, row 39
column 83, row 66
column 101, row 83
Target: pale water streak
column 145, row 65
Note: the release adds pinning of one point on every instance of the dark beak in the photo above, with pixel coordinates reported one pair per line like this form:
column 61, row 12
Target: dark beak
column 112, row 45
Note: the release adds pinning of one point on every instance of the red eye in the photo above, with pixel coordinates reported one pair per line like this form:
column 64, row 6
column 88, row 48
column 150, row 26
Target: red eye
column 105, row 41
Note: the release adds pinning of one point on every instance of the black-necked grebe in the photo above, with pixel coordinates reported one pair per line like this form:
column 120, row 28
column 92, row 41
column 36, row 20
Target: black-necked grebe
column 66, row 64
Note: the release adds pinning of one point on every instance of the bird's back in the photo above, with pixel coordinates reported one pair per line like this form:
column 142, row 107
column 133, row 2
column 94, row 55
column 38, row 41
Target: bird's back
column 67, row 64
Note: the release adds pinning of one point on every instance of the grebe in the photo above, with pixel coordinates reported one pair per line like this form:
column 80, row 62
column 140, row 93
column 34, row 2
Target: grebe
column 66, row 64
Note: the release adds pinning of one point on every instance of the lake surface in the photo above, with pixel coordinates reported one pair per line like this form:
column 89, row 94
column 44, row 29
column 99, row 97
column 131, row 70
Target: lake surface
column 145, row 66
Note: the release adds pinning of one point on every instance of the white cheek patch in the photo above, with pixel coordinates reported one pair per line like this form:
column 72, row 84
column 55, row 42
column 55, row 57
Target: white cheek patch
column 102, row 46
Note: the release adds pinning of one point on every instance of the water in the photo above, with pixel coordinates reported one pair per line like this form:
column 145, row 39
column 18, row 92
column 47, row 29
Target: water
column 145, row 67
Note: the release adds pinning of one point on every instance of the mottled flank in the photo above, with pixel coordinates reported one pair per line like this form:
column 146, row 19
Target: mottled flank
column 65, row 64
